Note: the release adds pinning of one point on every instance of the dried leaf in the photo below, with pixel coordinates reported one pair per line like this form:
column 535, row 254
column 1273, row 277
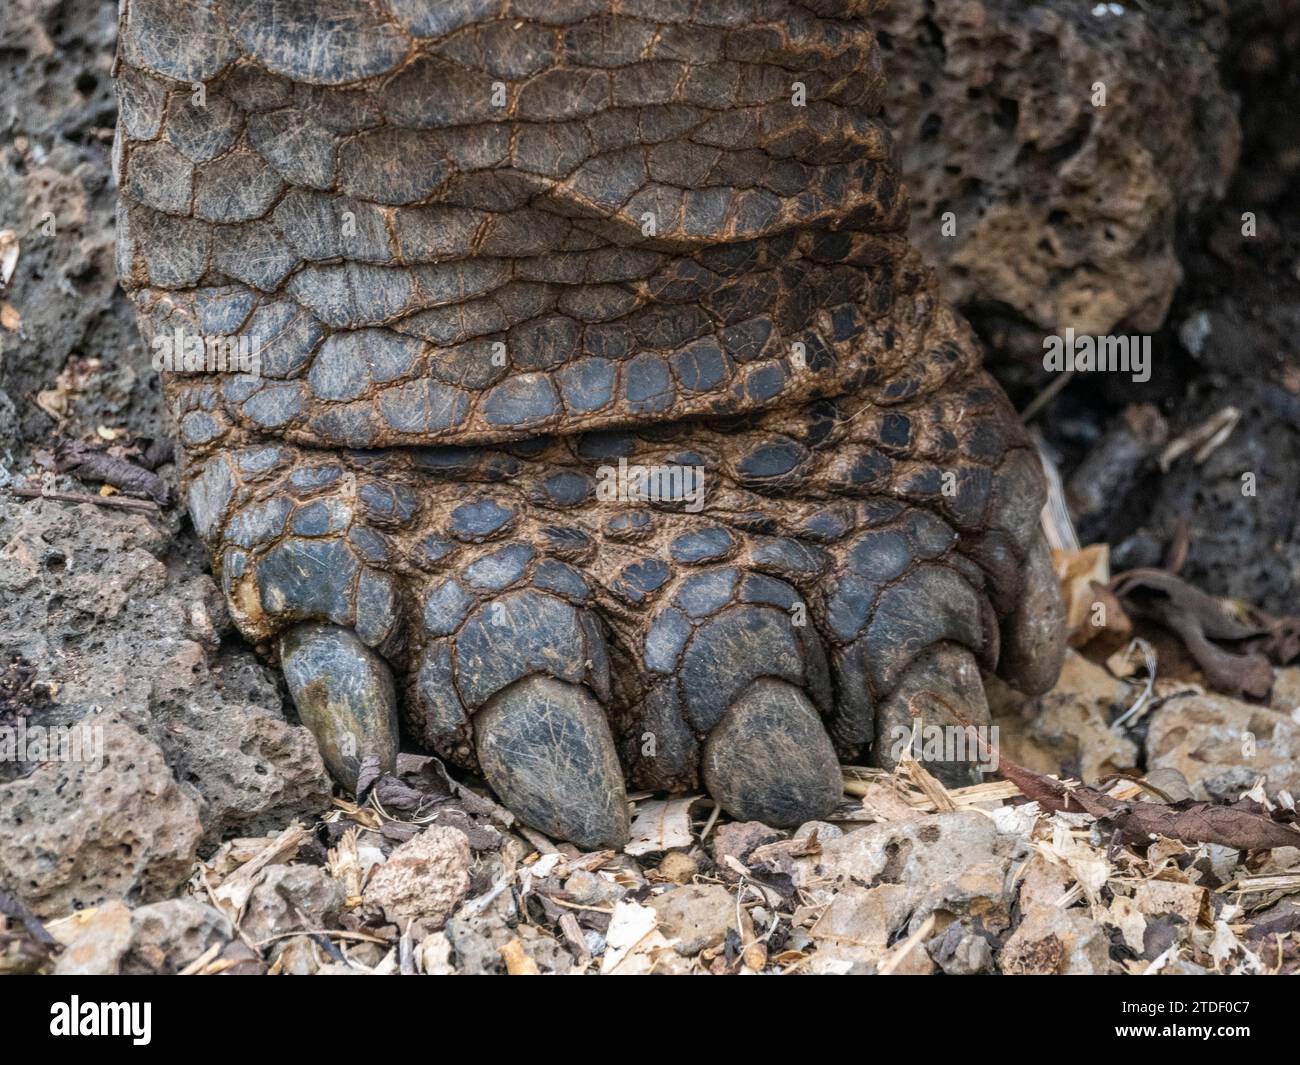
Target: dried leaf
column 1083, row 576
column 92, row 464
column 367, row 774
column 1244, row 825
column 1191, row 902
column 661, row 825
column 1125, row 915
column 1199, row 619
column 883, row 801
column 632, row 940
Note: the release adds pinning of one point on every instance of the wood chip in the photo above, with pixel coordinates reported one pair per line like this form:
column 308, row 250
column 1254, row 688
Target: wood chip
column 661, row 825
column 518, row 963
column 8, row 255
column 232, row 894
column 632, row 940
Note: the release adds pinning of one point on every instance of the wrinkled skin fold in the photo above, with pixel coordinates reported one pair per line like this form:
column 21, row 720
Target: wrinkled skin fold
column 489, row 260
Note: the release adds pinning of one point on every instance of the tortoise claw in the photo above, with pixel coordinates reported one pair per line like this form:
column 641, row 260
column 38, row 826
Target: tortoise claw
column 770, row 759
column 546, row 749
column 344, row 695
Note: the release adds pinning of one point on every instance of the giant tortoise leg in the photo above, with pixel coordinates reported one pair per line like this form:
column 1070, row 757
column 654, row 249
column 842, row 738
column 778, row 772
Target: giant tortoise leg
column 426, row 279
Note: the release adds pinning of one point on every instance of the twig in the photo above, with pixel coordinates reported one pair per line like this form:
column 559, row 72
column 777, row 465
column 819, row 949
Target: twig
column 1046, row 396
column 406, row 951
column 1288, row 881
column 931, row 787
column 202, row 961
column 12, row 906
column 713, row 820
column 899, row 952
column 337, row 933
column 578, row 906
column 118, row 502
column 216, row 905
column 1203, row 440
column 479, row 903
column 990, row 790
column 233, row 892
column 1151, row 664
column 540, row 843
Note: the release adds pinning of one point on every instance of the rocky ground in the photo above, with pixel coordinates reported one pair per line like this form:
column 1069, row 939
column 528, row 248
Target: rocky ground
column 206, row 839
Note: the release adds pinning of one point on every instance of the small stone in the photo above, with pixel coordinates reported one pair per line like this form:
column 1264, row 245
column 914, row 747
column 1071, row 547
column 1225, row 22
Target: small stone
column 289, row 898
column 424, row 879
column 1053, row 941
column 1191, row 902
column 476, row 941
column 678, row 867
column 977, row 898
column 1222, row 746
column 961, row 953
column 855, row 930
column 181, row 929
column 922, row 854
column 738, row 839
column 1044, row 883
column 96, row 941
column 591, row 889
column 298, row 956
column 824, row 830
column 696, row 916
column 433, row 955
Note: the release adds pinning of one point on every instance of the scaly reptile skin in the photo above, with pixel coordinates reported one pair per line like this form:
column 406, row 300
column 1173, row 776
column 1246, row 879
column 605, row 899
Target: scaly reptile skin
column 491, row 248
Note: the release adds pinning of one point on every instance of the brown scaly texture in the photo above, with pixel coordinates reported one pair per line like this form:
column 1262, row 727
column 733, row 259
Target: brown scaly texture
column 489, row 250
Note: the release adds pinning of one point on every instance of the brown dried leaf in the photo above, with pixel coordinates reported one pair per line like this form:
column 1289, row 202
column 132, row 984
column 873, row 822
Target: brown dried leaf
column 1244, row 825
column 1198, row 619
column 92, row 464
column 1084, row 576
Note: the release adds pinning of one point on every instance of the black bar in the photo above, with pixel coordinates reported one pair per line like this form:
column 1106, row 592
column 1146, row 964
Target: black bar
column 1073, row 1014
